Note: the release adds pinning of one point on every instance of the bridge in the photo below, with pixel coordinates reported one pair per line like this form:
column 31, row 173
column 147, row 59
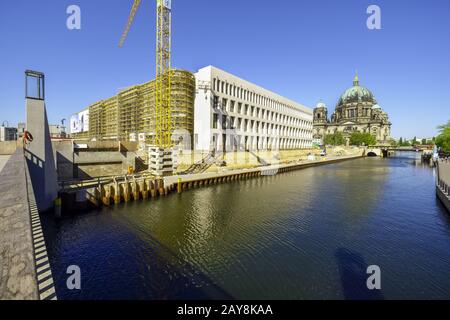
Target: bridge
column 386, row 150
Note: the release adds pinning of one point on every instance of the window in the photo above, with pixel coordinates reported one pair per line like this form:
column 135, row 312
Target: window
column 224, row 122
column 240, row 108
column 215, row 120
column 232, row 123
column 232, row 103
column 224, row 104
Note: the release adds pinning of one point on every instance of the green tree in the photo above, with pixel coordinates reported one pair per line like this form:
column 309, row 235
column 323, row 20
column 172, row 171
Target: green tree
column 403, row 143
column 393, row 143
column 424, row 141
column 336, row 139
column 443, row 140
column 359, row 139
column 444, row 126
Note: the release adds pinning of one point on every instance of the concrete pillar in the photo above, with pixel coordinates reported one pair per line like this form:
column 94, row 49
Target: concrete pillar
column 116, row 193
column 39, row 154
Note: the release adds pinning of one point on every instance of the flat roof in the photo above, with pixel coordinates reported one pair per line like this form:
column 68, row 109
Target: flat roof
column 282, row 99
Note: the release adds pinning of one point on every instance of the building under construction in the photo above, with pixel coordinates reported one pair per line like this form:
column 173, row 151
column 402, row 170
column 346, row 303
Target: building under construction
column 130, row 115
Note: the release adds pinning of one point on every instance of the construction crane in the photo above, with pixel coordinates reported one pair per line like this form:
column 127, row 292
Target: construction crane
column 163, row 90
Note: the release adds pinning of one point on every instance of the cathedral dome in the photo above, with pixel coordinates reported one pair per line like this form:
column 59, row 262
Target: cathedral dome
column 321, row 105
column 356, row 94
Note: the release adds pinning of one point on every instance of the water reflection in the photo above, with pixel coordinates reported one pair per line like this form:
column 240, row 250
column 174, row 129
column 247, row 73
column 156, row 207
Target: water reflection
column 353, row 271
column 303, row 234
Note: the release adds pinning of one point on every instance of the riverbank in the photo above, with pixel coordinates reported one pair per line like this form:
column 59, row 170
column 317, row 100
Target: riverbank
column 187, row 181
column 142, row 188
column 198, row 162
column 443, row 185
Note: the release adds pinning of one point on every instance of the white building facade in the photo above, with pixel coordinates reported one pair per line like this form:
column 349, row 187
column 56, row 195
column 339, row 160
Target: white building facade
column 232, row 114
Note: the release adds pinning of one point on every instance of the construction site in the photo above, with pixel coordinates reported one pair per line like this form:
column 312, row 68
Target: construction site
column 131, row 114
column 181, row 126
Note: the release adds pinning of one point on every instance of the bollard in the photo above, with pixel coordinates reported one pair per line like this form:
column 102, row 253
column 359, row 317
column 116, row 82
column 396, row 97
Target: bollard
column 126, row 192
column 107, row 197
column 180, row 189
column 161, row 187
column 144, row 190
column 117, row 194
column 97, row 196
column 58, row 207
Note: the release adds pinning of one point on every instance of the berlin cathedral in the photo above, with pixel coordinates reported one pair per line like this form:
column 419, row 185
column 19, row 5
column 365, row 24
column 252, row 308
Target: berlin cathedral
column 356, row 111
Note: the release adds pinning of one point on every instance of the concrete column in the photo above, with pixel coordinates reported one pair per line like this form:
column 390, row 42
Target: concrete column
column 39, row 154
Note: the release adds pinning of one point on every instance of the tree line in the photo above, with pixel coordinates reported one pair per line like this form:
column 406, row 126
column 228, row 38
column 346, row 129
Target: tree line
column 367, row 139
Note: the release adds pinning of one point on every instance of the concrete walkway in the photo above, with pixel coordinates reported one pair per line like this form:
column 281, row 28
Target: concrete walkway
column 25, row 272
column 3, row 161
column 443, row 186
column 17, row 270
column 444, row 171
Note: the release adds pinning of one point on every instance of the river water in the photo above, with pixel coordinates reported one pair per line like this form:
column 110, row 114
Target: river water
column 308, row 234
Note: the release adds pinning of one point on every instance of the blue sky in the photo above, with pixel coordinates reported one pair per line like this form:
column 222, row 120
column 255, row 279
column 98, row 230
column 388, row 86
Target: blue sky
column 304, row 50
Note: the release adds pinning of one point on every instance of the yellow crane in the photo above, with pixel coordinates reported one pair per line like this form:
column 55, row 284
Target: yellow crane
column 163, row 125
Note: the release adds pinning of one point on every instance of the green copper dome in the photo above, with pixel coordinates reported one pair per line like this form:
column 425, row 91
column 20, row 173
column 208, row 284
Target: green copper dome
column 356, row 94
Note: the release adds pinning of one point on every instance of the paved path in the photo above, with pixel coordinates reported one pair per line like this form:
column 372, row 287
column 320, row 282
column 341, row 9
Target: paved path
column 3, row 160
column 17, row 268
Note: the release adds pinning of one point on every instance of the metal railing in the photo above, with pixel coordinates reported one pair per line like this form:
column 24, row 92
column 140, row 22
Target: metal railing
column 444, row 187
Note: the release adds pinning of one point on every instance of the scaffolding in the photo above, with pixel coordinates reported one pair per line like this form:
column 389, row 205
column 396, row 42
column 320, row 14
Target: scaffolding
column 131, row 114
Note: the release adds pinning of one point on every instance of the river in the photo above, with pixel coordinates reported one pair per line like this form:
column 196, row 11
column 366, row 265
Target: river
column 307, row 234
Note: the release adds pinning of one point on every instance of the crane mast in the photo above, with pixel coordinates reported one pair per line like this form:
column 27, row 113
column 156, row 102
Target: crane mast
column 163, row 132
column 161, row 153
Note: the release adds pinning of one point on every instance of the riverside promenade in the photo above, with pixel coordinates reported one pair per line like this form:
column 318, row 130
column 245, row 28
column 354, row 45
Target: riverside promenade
column 443, row 185
column 25, row 272
column 185, row 182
